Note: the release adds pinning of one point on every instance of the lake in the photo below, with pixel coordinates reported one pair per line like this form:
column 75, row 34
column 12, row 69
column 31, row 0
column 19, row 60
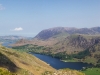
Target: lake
column 57, row 64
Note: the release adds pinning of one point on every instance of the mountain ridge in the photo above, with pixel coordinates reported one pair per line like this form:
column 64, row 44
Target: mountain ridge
column 53, row 35
column 47, row 33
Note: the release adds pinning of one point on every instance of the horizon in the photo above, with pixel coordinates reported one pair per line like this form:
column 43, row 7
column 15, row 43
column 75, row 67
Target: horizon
column 29, row 17
column 44, row 29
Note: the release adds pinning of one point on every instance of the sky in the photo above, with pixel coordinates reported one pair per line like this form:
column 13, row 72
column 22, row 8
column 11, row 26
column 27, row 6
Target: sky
column 29, row 17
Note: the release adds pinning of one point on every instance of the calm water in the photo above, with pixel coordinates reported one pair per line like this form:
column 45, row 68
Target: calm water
column 57, row 64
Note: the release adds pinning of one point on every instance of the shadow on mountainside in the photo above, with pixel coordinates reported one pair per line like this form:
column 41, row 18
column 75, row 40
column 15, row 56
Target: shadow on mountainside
column 7, row 63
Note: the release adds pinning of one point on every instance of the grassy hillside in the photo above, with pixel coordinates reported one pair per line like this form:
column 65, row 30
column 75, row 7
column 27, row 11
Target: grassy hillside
column 22, row 63
column 19, row 63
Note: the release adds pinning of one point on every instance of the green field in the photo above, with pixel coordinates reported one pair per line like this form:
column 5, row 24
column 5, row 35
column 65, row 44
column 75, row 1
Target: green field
column 92, row 71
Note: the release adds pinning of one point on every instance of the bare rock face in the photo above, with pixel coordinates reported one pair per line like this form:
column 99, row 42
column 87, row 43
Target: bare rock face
column 78, row 41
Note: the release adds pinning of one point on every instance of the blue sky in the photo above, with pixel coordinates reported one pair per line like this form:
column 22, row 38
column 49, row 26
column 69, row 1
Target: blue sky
column 29, row 17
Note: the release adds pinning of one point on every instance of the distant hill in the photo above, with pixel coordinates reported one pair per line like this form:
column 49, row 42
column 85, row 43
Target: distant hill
column 12, row 37
column 7, row 40
column 48, row 33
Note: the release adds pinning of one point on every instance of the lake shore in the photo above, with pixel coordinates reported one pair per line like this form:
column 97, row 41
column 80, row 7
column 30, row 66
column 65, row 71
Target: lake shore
column 59, row 64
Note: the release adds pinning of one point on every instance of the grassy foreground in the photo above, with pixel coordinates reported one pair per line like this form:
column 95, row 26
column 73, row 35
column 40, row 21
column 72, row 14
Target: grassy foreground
column 92, row 71
column 4, row 71
column 64, row 72
column 22, row 63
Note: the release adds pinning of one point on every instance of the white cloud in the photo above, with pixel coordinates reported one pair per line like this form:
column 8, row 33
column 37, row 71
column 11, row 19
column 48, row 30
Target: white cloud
column 18, row 29
column 1, row 7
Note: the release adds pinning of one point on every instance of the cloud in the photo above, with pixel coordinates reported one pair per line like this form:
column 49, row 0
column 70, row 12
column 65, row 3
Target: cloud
column 18, row 29
column 1, row 7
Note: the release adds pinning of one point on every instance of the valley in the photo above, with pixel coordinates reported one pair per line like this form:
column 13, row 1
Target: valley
column 70, row 45
column 49, row 37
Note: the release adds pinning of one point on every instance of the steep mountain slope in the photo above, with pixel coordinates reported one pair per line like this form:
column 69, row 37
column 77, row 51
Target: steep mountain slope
column 22, row 63
column 48, row 33
column 94, row 56
column 76, row 42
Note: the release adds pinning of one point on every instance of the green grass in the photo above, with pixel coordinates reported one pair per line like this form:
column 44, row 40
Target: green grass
column 4, row 71
column 65, row 71
column 92, row 71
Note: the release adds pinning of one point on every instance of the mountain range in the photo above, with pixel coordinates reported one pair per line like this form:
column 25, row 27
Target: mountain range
column 46, row 34
column 53, row 36
column 78, row 44
column 69, row 40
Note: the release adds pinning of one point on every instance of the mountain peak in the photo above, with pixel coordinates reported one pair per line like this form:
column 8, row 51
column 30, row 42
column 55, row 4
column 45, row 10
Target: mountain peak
column 48, row 33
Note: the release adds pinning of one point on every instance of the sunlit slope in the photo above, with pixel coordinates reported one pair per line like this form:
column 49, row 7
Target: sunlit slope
column 22, row 63
column 4, row 71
